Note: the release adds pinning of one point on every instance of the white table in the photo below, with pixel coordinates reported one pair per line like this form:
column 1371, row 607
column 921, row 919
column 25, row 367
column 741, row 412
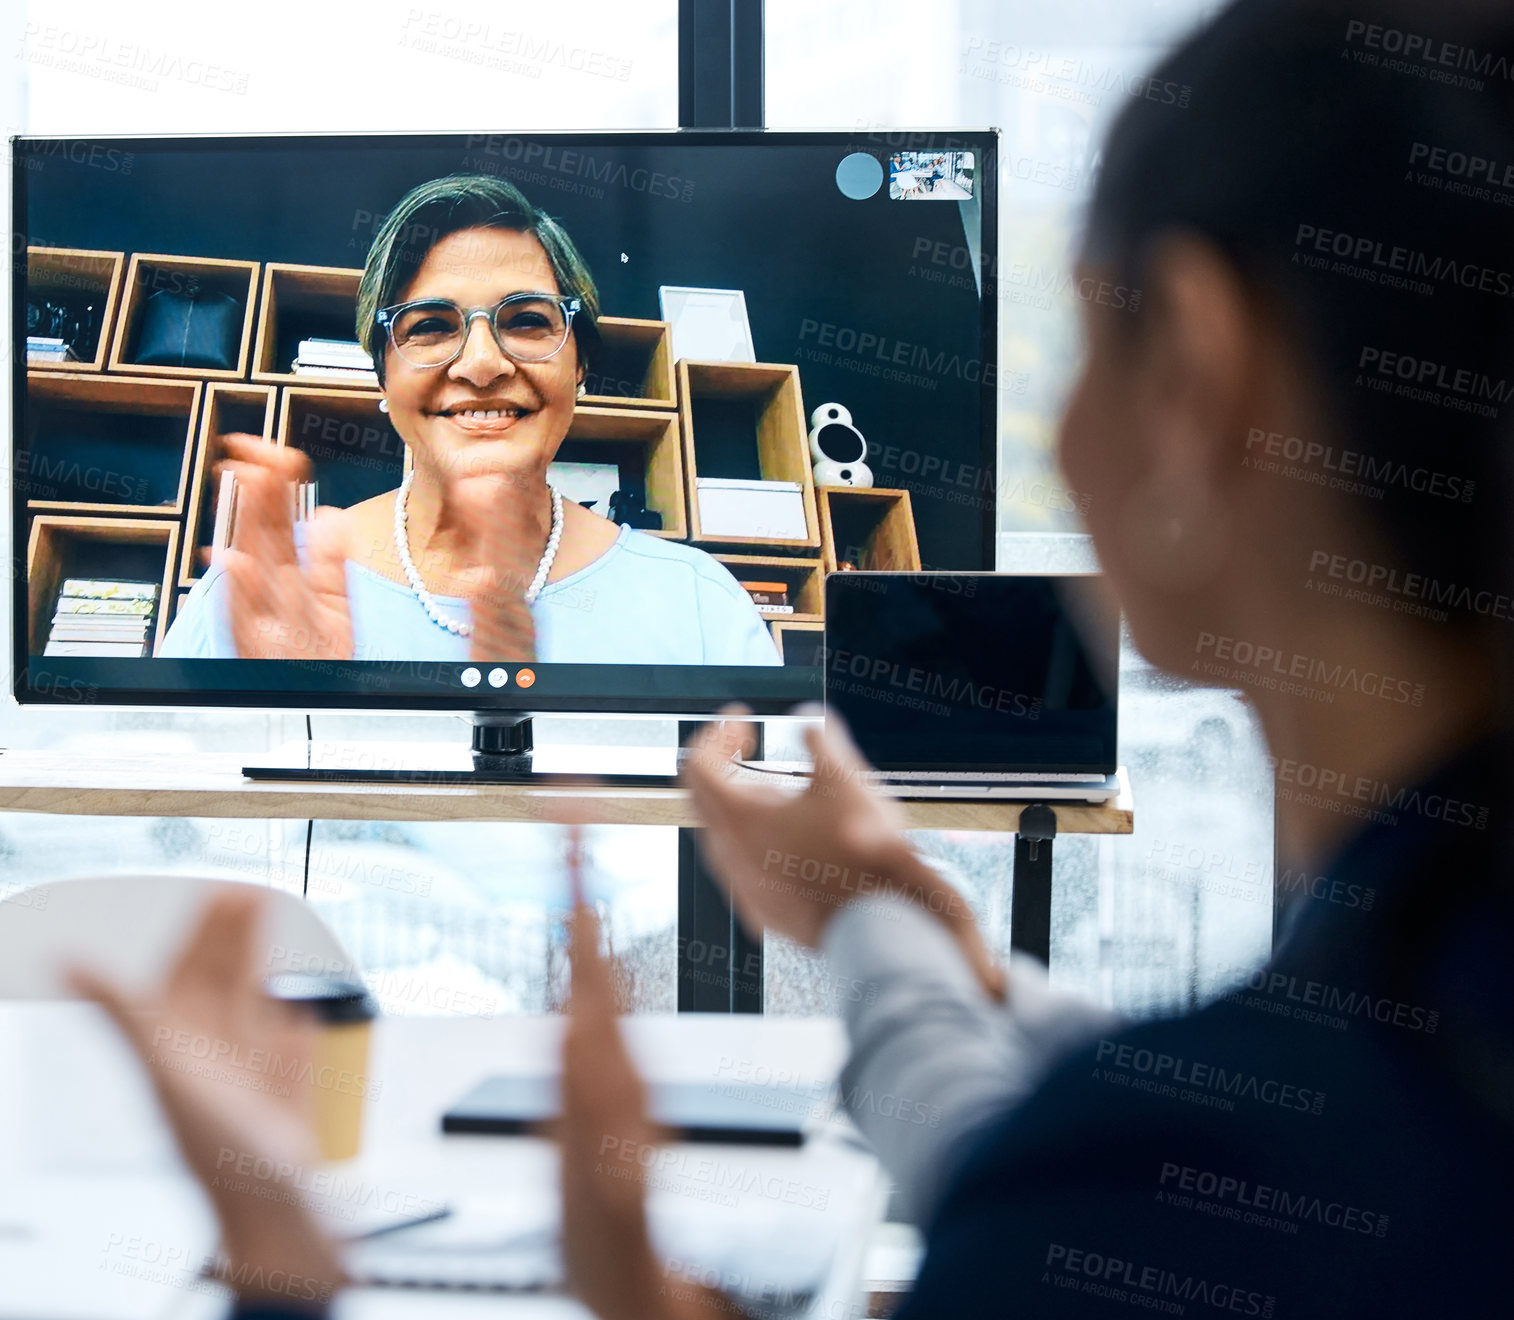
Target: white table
column 93, row 1203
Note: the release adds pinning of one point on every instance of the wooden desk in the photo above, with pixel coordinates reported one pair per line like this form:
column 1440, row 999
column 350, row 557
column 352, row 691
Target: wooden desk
column 211, row 784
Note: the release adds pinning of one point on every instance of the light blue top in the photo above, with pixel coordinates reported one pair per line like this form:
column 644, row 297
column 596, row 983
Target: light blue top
column 645, row 601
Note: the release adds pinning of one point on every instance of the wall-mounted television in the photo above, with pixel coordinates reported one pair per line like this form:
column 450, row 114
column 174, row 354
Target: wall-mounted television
column 259, row 371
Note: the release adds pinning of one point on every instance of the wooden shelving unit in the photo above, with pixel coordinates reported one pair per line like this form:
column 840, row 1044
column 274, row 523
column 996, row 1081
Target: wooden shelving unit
column 646, row 447
column 871, row 527
column 61, row 547
column 354, row 452
column 102, row 444
column 664, row 424
column 300, row 302
column 229, row 408
column 805, row 579
column 635, row 365
column 746, row 420
column 78, row 270
column 147, row 273
column 799, row 642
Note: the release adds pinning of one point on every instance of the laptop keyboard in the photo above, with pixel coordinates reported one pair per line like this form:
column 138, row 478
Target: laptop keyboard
column 980, row 776
column 937, row 776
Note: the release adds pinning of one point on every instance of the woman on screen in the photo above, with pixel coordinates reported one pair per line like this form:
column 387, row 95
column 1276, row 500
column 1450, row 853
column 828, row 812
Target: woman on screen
column 475, row 555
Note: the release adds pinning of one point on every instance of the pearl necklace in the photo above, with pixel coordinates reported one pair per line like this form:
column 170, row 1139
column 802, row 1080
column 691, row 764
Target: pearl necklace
column 402, row 546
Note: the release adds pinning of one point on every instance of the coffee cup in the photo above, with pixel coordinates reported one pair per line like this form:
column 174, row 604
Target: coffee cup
column 339, row 1082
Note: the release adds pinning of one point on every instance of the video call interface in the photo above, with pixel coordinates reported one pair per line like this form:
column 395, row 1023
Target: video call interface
column 712, row 370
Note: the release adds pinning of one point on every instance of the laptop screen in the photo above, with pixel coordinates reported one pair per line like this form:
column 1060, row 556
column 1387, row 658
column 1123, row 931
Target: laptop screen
column 974, row 671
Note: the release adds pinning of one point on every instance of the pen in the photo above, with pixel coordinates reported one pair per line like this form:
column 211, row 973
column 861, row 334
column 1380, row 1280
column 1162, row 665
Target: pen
column 431, row 1216
column 574, row 859
column 216, row 1264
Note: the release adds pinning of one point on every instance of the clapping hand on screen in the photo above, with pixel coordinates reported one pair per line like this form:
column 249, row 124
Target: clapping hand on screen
column 607, row 1138
column 281, row 610
column 496, row 510
column 219, row 1051
column 791, row 860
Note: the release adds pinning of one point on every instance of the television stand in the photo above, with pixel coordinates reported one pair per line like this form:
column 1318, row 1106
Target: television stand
column 502, row 751
column 503, row 744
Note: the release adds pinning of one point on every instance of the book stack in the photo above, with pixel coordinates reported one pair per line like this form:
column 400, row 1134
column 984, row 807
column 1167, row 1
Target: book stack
column 49, row 348
column 333, row 357
column 769, row 597
column 226, row 511
column 305, row 497
column 103, row 616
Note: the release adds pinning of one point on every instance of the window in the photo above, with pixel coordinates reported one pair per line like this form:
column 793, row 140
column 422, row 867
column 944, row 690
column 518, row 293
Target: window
column 464, row 65
column 1160, row 920
column 1150, row 922
column 425, row 907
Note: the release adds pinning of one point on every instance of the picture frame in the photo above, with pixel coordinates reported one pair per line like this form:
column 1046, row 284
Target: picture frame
column 709, row 325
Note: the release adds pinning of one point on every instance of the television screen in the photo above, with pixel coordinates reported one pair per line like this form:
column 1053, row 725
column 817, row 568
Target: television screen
column 489, row 420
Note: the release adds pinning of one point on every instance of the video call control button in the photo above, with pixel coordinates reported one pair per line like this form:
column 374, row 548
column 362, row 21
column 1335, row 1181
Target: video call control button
column 470, row 677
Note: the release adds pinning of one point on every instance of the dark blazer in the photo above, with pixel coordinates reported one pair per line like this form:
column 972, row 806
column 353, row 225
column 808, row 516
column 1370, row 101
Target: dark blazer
column 1335, row 1138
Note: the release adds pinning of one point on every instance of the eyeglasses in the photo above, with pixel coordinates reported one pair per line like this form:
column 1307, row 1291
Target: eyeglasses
column 527, row 327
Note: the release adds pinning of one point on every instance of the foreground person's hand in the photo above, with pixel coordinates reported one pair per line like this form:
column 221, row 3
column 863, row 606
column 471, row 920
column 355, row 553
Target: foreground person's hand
column 220, row 1054
column 281, row 610
column 790, row 861
column 606, row 1134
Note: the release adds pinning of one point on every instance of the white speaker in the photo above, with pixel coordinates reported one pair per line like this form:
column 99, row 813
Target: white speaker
column 837, row 448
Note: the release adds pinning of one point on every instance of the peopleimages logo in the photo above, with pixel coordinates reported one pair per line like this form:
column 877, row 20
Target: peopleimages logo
column 1354, row 463
column 1063, row 76
column 330, row 1191
column 1215, row 1086
column 1316, row 244
column 676, row 1169
column 23, row 896
column 881, row 348
column 1328, row 1005
column 1292, row 882
column 1346, row 678
column 1397, row 582
column 957, row 690
column 83, row 153
column 1463, row 165
column 1150, row 1287
column 53, row 478
column 581, row 164
column 1261, row 1204
column 1324, row 785
column 1425, row 374
column 1441, row 56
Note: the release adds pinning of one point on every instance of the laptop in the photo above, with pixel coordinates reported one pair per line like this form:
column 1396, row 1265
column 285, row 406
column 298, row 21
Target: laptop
column 977, row 685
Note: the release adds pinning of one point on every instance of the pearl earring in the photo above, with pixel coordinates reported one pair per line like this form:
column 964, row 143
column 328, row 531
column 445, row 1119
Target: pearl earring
column 582, row 389
column 383, row 405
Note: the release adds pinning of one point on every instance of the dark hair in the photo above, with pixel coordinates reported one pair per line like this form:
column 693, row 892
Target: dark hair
column 1308, row 119
column 1297, row 159
column 430, row 212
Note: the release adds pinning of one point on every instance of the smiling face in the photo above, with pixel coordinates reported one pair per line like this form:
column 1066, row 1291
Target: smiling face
column 482, row 413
